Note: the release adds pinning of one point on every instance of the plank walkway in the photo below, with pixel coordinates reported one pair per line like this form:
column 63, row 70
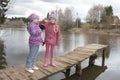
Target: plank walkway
column 63, row 64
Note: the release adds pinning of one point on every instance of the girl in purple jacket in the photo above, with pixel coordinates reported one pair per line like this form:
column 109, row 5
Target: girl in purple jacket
column 34, row 41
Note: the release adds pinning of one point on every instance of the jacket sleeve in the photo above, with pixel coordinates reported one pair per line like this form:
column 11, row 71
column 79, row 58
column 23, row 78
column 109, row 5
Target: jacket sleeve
column 33, row 30
column 42, row 27
column 58, row 36
column 43, row 23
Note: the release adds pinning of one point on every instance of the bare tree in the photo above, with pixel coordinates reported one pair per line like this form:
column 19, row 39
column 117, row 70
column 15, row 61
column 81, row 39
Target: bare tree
column 95, row 14
column 65, row 19
column 60, row 17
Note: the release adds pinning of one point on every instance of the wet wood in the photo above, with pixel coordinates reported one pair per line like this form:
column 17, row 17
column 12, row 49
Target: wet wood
column 12, row 73
column 84, row 49
column 42, row 68
column 3, row 76
column 95, row 46
column 92, row 60
column 21, row 69
column 63, row 64
column 67, row 73
column 63, row 60
column 78, row 69
column 103, row 58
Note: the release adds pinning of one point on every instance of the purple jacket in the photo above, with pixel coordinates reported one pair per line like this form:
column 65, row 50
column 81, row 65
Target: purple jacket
column 35, row 34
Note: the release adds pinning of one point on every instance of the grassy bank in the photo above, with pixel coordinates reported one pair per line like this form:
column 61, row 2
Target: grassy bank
column 97, row 31
column 13, row 24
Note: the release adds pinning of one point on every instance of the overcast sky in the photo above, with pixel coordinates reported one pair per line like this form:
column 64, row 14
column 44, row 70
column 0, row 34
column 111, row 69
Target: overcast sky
column 22, row 8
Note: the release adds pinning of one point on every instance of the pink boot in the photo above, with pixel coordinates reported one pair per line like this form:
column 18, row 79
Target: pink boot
column 52, row 62
column 45, row 62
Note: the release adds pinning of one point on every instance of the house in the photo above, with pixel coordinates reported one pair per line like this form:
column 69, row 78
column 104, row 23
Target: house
column 116, row 20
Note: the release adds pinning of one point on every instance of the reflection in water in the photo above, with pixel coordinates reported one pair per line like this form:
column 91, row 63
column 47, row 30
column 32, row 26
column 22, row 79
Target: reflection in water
column 16, row 43
column 3, row 62
column 100, row 39
column 70, row 41
column 89, row 73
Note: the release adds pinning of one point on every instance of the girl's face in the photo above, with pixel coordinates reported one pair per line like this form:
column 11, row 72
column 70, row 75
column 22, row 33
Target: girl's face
column 36, row 20
column 52, row 20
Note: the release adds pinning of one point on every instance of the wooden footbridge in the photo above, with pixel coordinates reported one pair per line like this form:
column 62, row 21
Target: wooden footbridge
column 63, row 64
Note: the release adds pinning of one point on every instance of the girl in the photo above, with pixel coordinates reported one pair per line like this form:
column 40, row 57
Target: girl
column 34, row 41
column 52, row 37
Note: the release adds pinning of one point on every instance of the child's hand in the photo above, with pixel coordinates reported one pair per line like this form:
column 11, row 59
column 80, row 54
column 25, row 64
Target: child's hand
column 43, row 44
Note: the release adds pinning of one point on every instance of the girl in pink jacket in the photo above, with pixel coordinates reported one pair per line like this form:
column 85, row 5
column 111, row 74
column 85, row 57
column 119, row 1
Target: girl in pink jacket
column 52, row 37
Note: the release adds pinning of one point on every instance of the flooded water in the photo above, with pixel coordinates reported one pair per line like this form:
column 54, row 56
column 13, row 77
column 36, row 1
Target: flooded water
column 14, row 50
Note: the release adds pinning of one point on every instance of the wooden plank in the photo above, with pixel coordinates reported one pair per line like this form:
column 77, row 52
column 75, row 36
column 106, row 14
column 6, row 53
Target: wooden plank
column 38, row 75
column 95, row 46
column 3, row 76
column 61, row 64
column 77, row 58
column 78, row 54
column 101, row 45
column 63, row 60
column 69, row 60
column 51, row 69
column 92, row 47
column 23, row 72
column 83, row 49
column 34, row 76
column 81, row 54
column 42, row 69
column 98, row 52
column 84, row 53
column 13, row 74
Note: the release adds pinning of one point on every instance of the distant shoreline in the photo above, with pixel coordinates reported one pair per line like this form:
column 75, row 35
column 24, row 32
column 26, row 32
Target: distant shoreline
column 12, row 26
column 97, row 31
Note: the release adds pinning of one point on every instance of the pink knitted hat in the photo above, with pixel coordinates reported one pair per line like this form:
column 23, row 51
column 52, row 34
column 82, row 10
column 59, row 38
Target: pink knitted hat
column 33, row 16
column 53, row 15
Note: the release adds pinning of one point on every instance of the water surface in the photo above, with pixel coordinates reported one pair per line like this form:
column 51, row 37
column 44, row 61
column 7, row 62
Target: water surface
column 14, row 50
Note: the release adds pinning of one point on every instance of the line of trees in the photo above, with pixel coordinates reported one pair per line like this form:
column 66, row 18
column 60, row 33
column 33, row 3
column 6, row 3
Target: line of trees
column 99, row 14
column 96, row 15
column 65, row 19
column 25, row 20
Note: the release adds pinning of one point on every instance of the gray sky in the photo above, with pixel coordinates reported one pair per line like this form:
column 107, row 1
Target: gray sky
column 23, row 8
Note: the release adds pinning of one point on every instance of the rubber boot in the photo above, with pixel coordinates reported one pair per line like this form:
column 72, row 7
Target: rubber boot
column 45, row 62
column 52, row 62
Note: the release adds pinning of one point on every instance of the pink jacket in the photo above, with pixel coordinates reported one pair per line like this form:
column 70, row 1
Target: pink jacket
column 52, row 33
